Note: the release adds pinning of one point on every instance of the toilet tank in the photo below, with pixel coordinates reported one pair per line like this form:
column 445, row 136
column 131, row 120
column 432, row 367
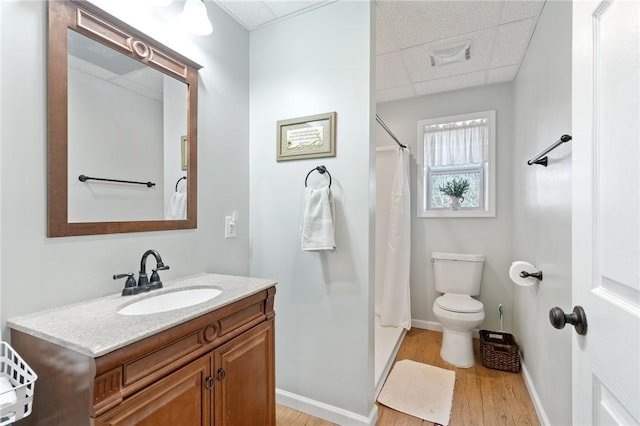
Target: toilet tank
column 457, row 273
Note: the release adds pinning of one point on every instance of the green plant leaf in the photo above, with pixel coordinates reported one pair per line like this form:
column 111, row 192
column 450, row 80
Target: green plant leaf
column 455, row 187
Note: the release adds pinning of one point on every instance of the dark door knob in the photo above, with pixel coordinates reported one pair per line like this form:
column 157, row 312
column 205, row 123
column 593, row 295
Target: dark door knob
column 578, row 319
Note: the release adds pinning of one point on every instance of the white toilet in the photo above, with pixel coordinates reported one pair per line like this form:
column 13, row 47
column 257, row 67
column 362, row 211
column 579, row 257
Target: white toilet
column 458, row 276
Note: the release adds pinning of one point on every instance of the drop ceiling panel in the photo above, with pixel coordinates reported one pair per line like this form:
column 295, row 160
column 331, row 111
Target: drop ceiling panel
column 517, row 10
column 391, row 71
column 499, row 32
column 408, row 30
column 450, row 83
column 285, row 8
column 502, row 74
column 147, row 82
column 412, row 23
column 400, row 92
column 511, row 42
column 251, row 14
column 384, row 34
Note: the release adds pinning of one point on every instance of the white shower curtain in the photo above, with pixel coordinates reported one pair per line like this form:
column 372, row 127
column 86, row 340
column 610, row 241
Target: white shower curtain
column 395, row 303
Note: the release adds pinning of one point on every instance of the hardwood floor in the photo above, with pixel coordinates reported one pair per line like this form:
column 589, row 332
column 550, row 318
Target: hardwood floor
column 481, row 396
column 287, row 416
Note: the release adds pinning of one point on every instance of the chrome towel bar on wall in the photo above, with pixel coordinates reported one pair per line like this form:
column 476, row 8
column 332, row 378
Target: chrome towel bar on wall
column 541, row 159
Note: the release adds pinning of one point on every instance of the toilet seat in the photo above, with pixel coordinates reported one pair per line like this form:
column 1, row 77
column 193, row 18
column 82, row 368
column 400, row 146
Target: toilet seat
column 459, row 303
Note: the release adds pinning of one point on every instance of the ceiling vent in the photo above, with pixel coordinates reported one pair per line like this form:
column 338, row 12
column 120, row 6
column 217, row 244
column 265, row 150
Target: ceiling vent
column 451, row 55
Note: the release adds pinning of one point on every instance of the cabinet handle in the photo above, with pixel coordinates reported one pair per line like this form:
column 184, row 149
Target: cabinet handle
column 209, row 382
column 221, row 374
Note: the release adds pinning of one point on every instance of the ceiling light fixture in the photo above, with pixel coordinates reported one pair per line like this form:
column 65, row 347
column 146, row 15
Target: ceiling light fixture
column 451, row 55
column 194, row 18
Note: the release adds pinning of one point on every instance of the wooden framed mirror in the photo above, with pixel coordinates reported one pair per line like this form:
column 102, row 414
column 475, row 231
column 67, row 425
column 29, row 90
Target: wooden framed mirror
column 122, row 113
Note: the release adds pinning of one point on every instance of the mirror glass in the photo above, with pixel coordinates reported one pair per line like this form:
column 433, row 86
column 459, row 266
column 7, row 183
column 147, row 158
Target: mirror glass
column 122, row 127
column 126, row 122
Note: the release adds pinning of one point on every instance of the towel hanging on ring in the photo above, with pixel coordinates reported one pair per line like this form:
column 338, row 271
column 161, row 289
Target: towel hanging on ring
column 317, row 230
column 177, row 208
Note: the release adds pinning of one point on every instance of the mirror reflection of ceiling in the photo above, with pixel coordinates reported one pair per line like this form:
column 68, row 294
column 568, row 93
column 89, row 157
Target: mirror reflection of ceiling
column 409, row 32
column 93, row 58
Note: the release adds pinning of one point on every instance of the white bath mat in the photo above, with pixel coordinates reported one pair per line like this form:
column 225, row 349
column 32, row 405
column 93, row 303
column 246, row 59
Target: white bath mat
column 420, row 390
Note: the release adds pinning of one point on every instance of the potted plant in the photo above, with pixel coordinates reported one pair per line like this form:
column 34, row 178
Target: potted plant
column 455, row 189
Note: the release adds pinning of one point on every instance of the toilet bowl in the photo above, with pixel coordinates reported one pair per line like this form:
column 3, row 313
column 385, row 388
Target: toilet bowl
column 458, row 277
column 459, row 316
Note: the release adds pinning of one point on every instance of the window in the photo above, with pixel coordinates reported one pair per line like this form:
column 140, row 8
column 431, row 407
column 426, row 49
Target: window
column 457, row 150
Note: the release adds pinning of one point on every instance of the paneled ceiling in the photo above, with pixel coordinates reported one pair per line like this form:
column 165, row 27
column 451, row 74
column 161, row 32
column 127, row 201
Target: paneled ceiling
column 253, row 14
column 409, row 33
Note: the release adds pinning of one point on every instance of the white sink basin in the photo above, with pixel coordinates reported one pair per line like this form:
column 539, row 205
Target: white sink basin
column 169, row 301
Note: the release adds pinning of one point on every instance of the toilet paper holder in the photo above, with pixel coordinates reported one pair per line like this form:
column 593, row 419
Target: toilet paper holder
column 537, row 275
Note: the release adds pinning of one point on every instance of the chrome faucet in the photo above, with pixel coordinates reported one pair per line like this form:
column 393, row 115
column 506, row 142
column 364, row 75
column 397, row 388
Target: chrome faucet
column 130, row 286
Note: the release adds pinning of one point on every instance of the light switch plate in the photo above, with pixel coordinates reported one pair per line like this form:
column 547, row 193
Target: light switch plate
column 229, row 227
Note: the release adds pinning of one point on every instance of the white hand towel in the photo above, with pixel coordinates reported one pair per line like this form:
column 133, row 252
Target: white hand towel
column 177, row 206
column 318, row 228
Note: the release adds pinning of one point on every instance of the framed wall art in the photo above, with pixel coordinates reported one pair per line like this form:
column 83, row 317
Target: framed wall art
column 183, row 152
column 313, row 136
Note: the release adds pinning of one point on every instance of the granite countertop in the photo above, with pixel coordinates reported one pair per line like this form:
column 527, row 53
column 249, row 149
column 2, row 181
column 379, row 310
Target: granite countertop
column 95, row 328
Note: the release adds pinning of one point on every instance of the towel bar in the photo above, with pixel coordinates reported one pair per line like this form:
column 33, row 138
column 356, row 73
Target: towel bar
column 541, row 159
column 83, row 178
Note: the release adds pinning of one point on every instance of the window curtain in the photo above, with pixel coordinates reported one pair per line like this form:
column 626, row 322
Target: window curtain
column 454, row 144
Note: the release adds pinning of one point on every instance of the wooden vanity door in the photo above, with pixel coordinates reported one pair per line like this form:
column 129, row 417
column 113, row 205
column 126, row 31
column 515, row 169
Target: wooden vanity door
column 178, row 399
column 244, row 393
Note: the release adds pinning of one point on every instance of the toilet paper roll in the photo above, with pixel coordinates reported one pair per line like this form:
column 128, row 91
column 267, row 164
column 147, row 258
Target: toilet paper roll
column 519, row 266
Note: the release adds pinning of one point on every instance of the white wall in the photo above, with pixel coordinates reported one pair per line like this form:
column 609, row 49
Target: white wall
column 127, row 147
column 542, row 207
column 315, row 63
column 40, row 272
column 488, row 236
column 175, row 126
column 1, row 173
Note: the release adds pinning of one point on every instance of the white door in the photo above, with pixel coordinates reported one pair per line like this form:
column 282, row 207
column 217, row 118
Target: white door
column 606, row 211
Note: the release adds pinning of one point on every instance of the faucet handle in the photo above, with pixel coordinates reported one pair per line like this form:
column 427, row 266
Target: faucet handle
column 129, row 285
column 155, row 278
column 129, row 276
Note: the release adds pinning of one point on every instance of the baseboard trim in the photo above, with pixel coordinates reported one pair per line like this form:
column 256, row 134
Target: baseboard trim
column 537, row 404
column 435, row 326
column 325, row 411
column 426, row 325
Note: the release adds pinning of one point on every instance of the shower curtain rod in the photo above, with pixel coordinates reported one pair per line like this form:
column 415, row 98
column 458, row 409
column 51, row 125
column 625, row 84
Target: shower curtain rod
column 384, row 126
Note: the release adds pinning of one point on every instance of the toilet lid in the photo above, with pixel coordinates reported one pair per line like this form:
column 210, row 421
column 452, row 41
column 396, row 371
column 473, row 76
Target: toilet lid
column 459, row 303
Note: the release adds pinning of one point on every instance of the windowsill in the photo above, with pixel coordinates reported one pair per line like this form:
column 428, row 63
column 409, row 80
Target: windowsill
column 457, row 213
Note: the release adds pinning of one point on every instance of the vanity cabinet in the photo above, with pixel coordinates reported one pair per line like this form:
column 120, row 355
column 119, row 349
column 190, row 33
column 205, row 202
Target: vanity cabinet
column 179, row 399
column 244, row 390
column 216, row 369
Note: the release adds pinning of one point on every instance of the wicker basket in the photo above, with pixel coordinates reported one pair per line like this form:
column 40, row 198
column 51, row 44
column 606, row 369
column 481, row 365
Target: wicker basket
column 499, row 351
column 16, row 402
